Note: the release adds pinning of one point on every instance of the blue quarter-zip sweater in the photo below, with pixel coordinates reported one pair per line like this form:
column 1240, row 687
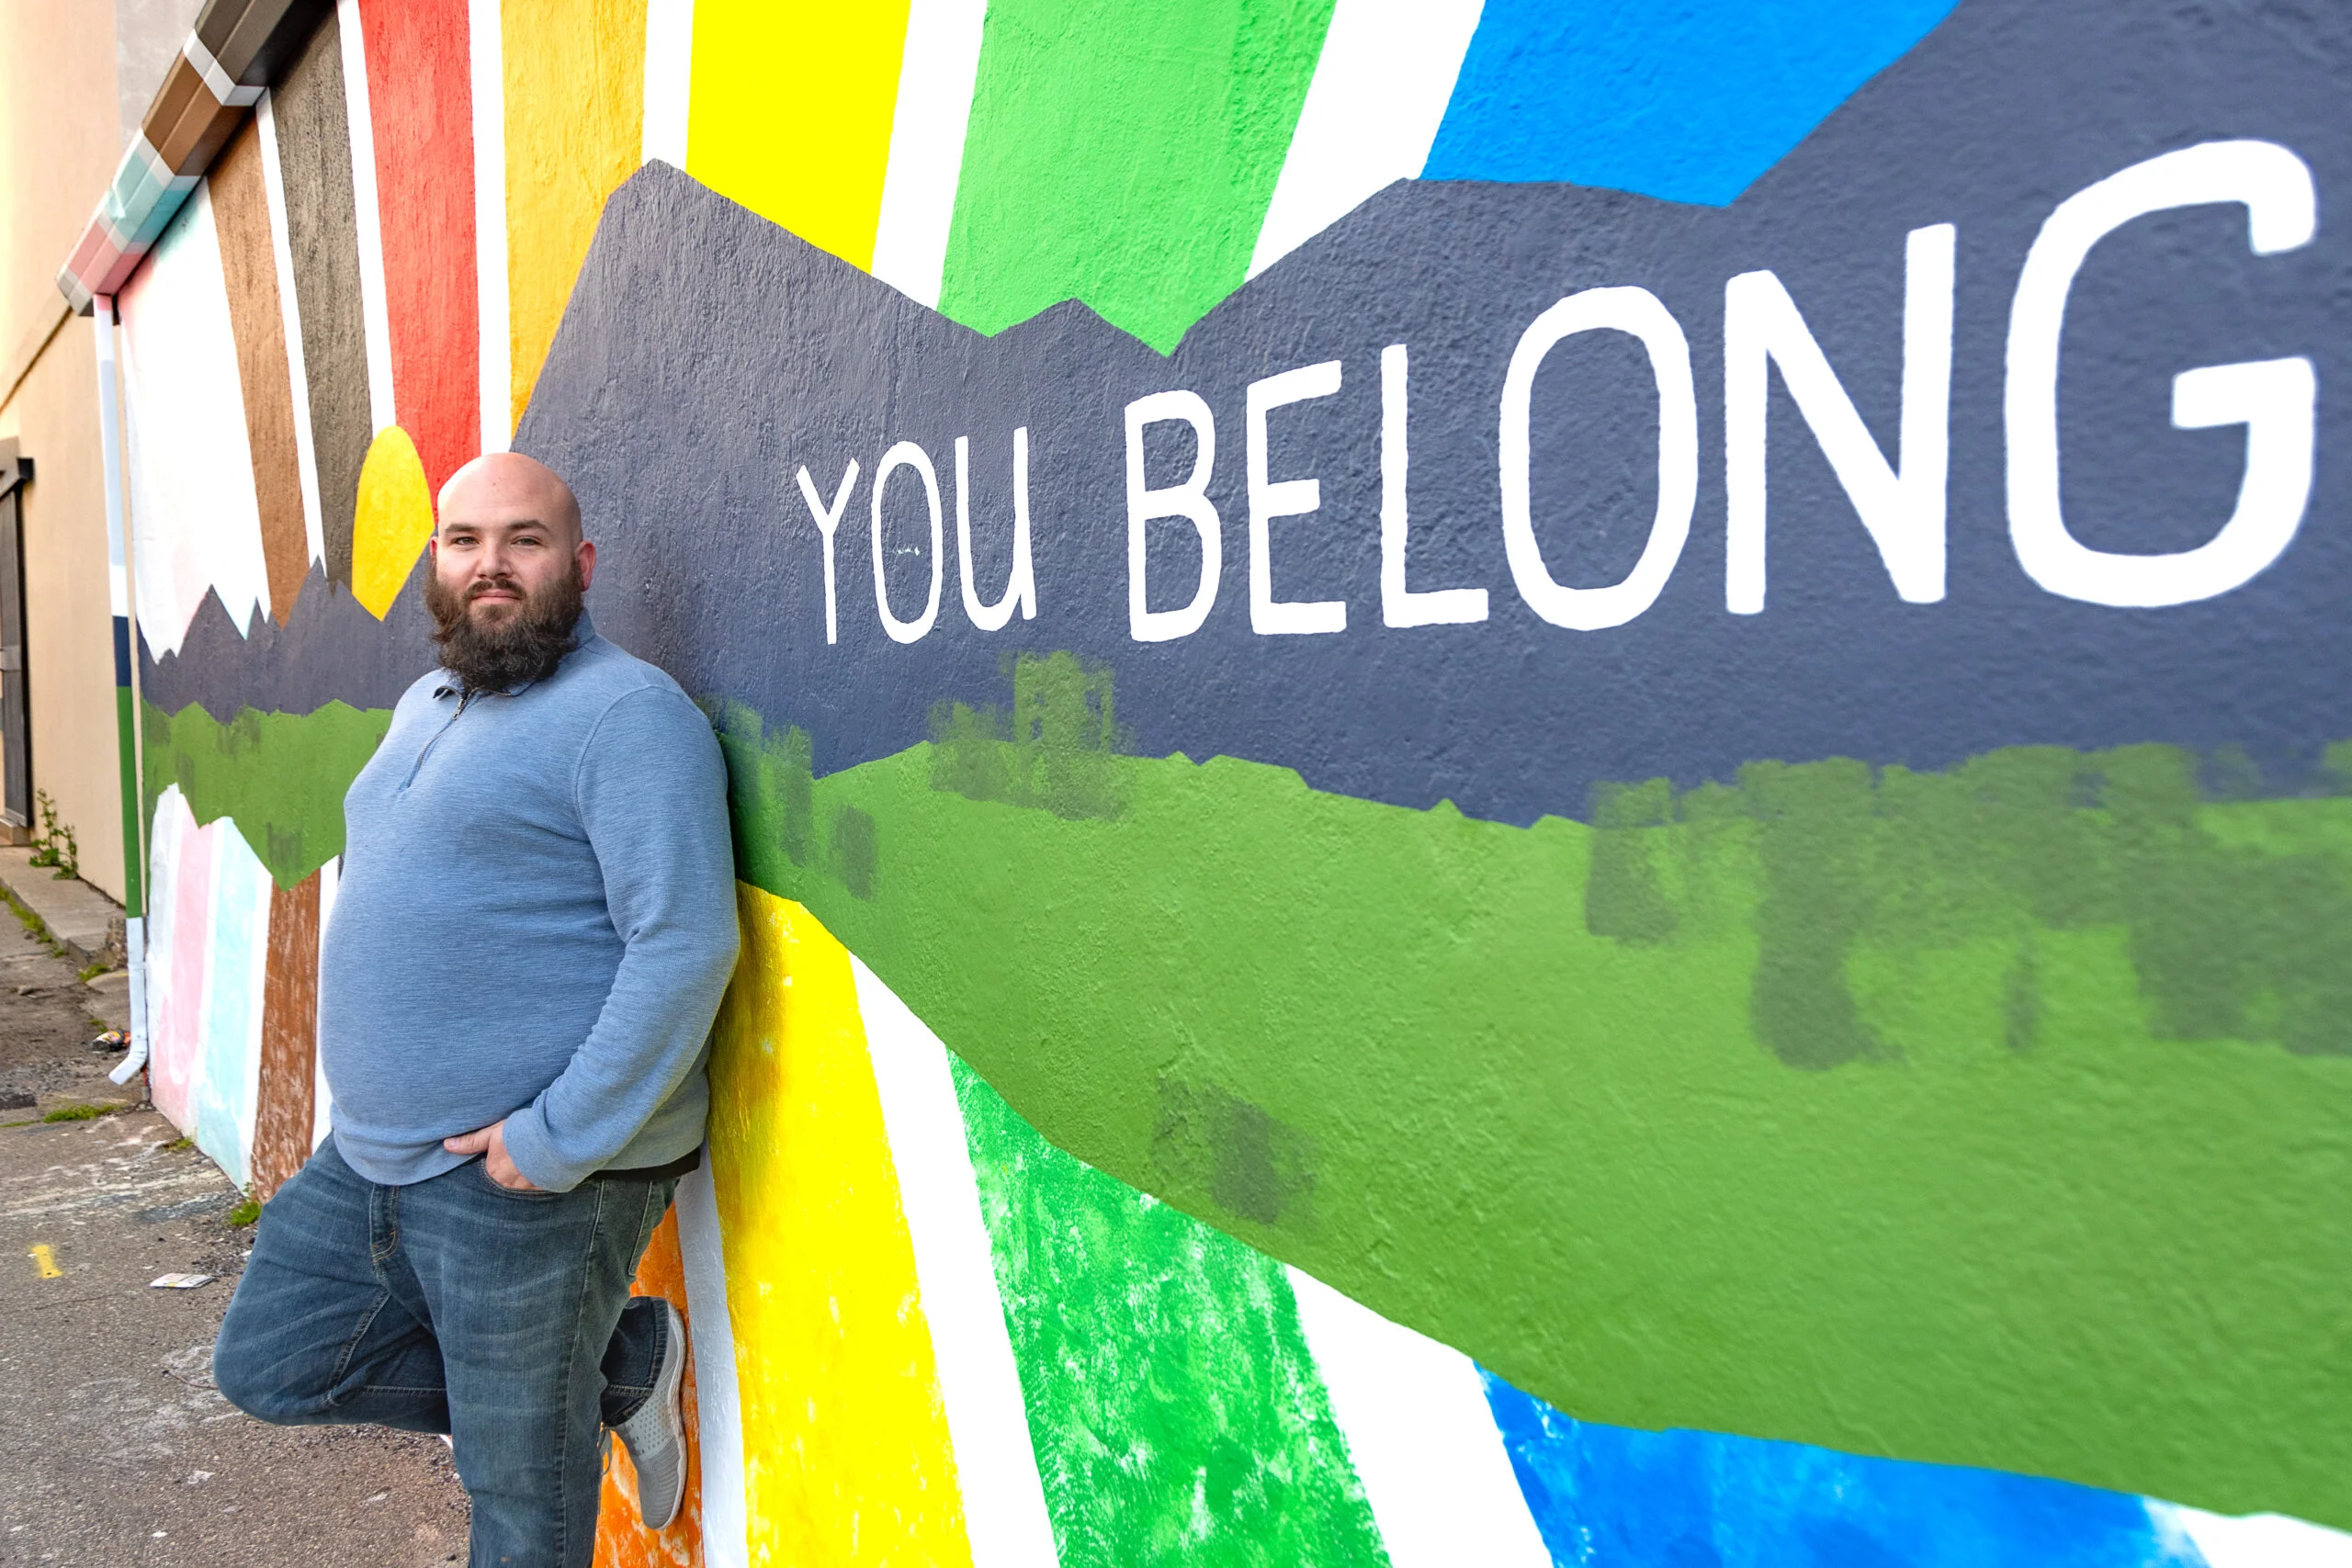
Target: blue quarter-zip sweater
column 536, row 921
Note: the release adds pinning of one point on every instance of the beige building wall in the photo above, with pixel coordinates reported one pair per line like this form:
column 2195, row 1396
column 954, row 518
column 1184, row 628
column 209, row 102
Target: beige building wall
column 62, row 85
column 69, row 627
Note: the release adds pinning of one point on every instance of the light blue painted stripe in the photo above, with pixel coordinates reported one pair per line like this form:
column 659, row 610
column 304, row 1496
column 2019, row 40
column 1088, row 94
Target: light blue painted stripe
column 1615, row 1498
column 227, row 1084
column 1685, row 102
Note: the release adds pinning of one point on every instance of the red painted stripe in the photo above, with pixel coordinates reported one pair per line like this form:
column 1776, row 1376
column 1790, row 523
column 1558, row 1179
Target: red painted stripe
column 420, row 96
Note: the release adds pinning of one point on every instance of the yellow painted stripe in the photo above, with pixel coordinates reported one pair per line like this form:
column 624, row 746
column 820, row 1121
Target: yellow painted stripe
column 575, row 125
column 46, row 1262
column 846, row 1455
column 791, row 111
column 392, row 522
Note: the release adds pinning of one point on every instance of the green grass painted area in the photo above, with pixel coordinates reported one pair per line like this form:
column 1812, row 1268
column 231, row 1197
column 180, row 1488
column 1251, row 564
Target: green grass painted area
column 1176, row 1410
column 1124, row 152
column 279, row 776
column 2000, row 1116
column 134, row 870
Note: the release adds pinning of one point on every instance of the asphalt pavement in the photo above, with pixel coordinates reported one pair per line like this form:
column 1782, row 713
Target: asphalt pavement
column 116, row 1451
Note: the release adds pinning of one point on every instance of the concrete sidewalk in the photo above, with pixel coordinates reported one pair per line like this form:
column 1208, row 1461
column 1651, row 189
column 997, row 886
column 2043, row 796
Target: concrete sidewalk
column 119, row 1451
column 81, row 920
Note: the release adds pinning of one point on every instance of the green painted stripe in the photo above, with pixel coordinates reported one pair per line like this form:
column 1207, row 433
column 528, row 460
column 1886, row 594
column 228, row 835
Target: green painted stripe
column 134, row 862
column 281, row 776
column 2000, row 1116
column 1176, row 1413
column 1123, row 152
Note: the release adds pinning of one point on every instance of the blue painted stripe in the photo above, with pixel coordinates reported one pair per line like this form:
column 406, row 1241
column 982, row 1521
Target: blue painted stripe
column 1615, row 1498
column 1686, row 101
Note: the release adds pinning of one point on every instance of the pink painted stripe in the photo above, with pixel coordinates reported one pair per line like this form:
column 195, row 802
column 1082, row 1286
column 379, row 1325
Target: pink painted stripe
column 178, row 1041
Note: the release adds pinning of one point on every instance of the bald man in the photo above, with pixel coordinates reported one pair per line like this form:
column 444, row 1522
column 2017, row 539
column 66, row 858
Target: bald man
column 533, row 924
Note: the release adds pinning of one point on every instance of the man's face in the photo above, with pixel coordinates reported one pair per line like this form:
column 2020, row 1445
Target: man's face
column 504, row 542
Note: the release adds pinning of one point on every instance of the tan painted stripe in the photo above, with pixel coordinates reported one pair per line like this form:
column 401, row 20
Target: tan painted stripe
column 241, row 211
column 188, row 125
column 289, row 1020
column 314, row 159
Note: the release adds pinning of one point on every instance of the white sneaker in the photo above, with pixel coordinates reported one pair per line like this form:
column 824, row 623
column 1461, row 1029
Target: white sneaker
column 656, row 1435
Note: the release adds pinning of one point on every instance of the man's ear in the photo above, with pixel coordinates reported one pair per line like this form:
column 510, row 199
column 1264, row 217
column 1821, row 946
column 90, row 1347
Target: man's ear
column 586, row 555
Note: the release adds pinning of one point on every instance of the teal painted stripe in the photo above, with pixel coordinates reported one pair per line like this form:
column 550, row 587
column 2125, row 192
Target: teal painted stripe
column 1177, row 1415
column 1123, row 152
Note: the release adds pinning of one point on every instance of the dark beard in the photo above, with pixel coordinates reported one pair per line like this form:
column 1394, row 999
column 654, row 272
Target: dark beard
column 525, row 645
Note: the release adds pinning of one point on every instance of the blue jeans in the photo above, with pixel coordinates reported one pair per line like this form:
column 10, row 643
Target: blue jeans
column 456, row 1306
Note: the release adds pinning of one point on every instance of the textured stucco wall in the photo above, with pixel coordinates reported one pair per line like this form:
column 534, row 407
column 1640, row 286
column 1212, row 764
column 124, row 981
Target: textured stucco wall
column 69, row 633
column 59, row 141
column 1858, row 1076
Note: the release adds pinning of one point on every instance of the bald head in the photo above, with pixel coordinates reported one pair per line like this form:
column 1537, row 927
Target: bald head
column 508, row 537
column 507, row 486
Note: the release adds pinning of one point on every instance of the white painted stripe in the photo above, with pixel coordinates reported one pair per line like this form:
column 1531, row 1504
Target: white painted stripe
column 486, row 50
column 979, row 1386
column 134, row 950
column 669, row 78
column 258, row 887
column 163, row 912
column 198, row 1009
column 374, row 311
column 224, row 88
column 281, row 250
column 195, row 521
column 1422, row 1438
column 719, row 1425
column 1380, row 89
column 2255, row 1540
column 935, row 108
column 322, row 1102
column 110, row 454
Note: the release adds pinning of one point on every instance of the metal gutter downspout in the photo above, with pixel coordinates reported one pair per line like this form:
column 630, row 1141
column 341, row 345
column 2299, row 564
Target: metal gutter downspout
column 126, row 697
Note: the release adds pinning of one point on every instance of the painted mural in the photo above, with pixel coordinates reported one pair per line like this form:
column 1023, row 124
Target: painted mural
column 1514, row 783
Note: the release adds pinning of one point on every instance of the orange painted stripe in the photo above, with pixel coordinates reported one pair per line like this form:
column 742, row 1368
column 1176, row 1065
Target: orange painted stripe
column 575, row 123
column 622, row 1539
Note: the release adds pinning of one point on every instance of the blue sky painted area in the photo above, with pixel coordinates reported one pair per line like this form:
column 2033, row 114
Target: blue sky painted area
column 1683, row 102
column 1610, row 1497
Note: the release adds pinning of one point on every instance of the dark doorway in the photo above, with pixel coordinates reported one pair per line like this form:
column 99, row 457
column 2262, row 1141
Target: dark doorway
column 15, row 727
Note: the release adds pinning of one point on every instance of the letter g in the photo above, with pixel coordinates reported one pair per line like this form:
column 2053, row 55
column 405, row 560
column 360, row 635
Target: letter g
column 2276, row 400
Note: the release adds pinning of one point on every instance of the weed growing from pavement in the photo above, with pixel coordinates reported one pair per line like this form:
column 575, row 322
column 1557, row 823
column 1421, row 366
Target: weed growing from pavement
column 179, row 1146
column 75, row 1113
column 34, row 926
column 245, row 1213
column 54, row 844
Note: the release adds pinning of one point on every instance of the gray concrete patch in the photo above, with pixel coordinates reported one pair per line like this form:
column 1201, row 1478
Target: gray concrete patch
column 119, row 1451
column 48, row 1019
column 83, row 921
